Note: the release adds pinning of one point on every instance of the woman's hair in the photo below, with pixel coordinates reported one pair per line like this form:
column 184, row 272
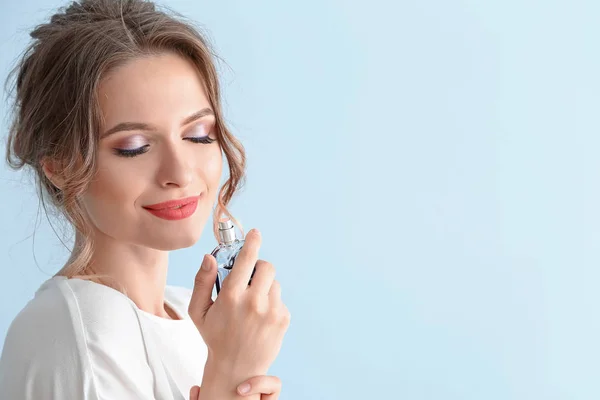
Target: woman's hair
column 56, row 113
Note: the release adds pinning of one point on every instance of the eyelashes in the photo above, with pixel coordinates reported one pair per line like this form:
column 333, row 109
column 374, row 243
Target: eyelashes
column 132, row 152
column 145, row 148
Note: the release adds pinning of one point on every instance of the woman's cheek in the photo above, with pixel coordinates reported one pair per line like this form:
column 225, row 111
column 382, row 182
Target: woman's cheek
column 212, row 165
column 114, row 185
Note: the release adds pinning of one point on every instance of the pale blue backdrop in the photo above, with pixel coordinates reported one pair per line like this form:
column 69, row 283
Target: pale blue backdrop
column 425, row 177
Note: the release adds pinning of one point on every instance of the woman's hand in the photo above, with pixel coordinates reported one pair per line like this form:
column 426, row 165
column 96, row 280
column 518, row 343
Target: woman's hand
column 269, row 388
column 244, row 327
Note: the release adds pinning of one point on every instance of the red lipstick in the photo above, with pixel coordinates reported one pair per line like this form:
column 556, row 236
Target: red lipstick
column 174, row 209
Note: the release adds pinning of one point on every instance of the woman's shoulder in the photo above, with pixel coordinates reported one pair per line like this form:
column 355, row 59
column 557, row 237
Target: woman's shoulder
column 73, row 312
column 43, row 324
column 71, row 331
column 46, row 344
column 85, row 302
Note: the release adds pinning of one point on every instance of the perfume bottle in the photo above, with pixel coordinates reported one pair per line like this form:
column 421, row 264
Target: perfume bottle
column 226, row 252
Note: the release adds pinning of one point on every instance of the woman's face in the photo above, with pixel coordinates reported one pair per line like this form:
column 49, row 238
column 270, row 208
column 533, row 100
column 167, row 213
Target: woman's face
column 157, row 144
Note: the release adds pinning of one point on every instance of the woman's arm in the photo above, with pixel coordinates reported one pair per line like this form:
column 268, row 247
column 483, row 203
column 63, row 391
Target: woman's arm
column 267, row 386
column 219, row 384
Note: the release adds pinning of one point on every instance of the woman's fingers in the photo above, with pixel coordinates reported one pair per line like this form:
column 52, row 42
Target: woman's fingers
column 275, row 292
column 237, row 280
column 267, row 386
column 194, row 392
column 263, row 278
column 203, row 284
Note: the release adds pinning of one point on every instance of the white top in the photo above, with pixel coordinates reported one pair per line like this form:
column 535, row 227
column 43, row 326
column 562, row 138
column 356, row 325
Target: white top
column 77, row 339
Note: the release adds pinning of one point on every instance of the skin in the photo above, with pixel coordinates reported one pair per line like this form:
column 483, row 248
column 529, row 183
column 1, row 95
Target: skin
column 161, row 91
column 267, row 387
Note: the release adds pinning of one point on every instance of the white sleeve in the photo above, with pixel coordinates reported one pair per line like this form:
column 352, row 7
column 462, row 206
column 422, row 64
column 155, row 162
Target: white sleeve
column 63, row 346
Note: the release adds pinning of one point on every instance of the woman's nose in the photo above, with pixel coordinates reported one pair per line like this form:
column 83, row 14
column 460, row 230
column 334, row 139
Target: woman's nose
column 175, row 169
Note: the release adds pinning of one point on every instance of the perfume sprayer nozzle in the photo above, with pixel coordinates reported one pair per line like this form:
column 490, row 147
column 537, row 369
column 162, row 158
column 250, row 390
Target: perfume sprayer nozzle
column 227, row 224
column 226, row 231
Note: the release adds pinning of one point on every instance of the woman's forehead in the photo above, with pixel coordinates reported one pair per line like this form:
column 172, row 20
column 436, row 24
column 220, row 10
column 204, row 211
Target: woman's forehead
column 156, row 89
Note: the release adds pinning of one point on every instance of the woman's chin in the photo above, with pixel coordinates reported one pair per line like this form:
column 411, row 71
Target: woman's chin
column 171, row 242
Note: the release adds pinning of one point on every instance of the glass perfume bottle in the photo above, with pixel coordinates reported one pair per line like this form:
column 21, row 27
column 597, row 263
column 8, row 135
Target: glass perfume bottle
column 226, row 252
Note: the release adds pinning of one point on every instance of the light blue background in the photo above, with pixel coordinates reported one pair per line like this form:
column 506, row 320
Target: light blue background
column 425, row 177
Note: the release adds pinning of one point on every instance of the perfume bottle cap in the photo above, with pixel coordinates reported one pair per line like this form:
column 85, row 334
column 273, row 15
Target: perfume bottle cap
column 226, row 232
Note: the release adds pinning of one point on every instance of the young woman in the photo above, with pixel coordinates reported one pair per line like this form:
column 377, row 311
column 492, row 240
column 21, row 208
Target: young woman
column 117, row 111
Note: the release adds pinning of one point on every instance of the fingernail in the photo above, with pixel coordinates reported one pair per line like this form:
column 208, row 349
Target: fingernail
column 205, row 263
column 244, row 388
column 256, row 231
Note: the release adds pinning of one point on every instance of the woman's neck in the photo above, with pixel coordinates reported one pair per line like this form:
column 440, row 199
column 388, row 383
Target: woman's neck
column 141, row 271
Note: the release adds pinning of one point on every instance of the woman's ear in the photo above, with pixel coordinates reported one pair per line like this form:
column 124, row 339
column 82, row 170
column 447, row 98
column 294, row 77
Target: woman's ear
column 50, row 169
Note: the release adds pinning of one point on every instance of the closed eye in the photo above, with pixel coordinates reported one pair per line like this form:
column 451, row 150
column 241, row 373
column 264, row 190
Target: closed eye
column 131, row 152
column 201, row 139
column 145, row 148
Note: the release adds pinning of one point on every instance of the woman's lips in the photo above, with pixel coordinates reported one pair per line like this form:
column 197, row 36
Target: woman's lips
column 174, row 209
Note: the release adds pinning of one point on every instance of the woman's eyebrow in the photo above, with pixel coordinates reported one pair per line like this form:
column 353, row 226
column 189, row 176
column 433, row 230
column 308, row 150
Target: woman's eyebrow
column 140, row 126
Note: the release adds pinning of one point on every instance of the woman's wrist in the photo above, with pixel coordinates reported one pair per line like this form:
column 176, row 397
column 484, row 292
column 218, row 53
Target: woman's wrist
column 220, row 382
